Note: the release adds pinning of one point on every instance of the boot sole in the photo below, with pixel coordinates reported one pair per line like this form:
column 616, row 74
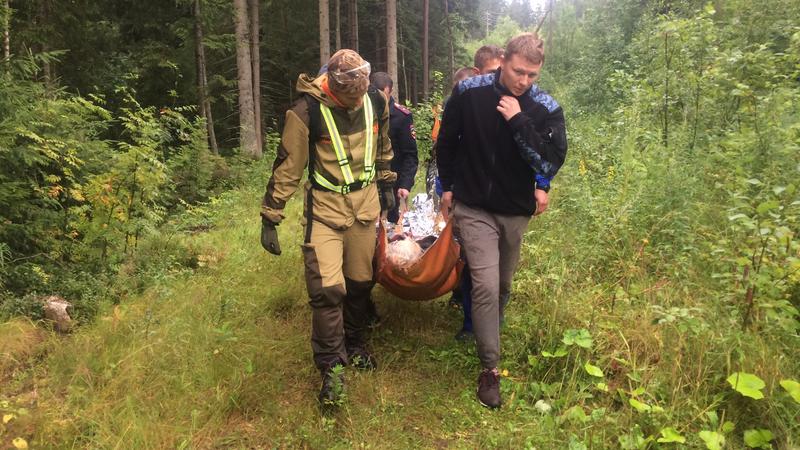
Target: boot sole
column 485, row 405
column 488, row 406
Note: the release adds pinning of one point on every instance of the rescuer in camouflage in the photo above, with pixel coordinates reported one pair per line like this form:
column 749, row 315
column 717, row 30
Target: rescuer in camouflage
column 339, row 130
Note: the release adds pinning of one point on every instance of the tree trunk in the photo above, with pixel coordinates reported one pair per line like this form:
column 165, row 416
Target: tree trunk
column 255, row 55
column 247, row 126
column 380, row 50
column 44, row 18
column 6, row 30
column 324, row 33
column 355, row 25
column 550, row 26
column 202, row 81
column 403, row 65
column 425, row 45
column 391, row 44
column 414, row 88
column 353, row 19
column 338, row 7
column 450, row 40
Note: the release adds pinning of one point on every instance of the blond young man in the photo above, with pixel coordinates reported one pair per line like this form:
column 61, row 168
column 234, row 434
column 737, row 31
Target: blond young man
column 502, row 141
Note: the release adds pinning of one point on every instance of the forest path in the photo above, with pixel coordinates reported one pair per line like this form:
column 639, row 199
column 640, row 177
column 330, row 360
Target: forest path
column 220, row 357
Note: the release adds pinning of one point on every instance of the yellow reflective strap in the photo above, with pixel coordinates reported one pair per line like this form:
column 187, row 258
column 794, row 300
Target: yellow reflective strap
column 341, row 156
column 369, row 163
column 325, row 183
column 338, row 147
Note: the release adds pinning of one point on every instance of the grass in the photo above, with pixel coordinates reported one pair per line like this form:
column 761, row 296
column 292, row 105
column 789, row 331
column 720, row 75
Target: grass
column 219, row 357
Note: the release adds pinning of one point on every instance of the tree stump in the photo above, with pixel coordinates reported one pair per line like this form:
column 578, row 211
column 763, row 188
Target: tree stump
column 55, row 310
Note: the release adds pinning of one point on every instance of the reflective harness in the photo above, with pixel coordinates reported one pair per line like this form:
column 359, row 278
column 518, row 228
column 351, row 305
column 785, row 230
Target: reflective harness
column 351, row 184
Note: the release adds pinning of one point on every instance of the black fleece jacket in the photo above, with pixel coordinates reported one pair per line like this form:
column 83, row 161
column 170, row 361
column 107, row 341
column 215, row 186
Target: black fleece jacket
column 494, row 164
column 404, row 145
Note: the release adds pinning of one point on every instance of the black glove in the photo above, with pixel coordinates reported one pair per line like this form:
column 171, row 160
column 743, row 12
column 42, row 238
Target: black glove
column 386, row 196
column 269, row 237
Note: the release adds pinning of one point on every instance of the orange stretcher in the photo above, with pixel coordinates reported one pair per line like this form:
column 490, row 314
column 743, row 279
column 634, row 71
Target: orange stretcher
column 436, row 273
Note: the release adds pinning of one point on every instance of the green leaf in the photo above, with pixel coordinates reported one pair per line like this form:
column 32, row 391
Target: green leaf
column 713, row 440
column 581, row 338
column 758, row 438
column 793, row 388
column 736, row 217
column 747, row 384
column 634, row 440
column 713, row 418
column 557, row 354
column 743, row 261
column 767, row 206
column 670, row 434
column 601, row 387
column 727, row 427
column 641, row 407
column 754, row 181
column 576, row 414
column 593, row 370
column 575, row 444
column 598, row 413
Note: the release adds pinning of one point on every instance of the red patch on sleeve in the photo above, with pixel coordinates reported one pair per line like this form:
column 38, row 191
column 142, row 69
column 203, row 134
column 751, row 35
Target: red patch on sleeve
column 402, row 108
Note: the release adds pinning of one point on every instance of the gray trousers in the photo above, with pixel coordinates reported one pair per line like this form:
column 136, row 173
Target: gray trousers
column 491, row 244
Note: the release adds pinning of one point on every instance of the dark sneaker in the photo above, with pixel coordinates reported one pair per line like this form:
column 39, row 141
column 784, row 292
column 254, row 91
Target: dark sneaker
column 489, row 388
column 454, row 302
column 362, row 359
column 456, row 299
column 331, row 394
column 374, row 321
column 465, row 336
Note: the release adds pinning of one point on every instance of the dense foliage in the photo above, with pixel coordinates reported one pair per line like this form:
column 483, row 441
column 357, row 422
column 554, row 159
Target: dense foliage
column 76, row 202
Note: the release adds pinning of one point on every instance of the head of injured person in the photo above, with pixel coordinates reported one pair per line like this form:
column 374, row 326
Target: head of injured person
column 348, row 77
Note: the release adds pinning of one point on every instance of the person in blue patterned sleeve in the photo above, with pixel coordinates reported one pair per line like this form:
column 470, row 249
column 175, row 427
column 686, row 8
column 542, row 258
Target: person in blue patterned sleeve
column 502, row 141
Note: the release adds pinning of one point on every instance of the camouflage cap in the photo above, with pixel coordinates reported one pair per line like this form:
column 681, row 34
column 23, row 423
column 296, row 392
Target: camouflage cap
column 348, row 73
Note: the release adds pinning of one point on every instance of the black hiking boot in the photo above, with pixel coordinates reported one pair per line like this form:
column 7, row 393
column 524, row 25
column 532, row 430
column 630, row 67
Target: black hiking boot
column 489, row 388
column 465, row 336
column 456, row 299
column 331, row 394
column 361, row 358
column 373, row 320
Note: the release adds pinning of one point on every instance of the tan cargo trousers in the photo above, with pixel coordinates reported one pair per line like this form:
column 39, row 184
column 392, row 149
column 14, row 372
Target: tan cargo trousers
column 338, row 267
